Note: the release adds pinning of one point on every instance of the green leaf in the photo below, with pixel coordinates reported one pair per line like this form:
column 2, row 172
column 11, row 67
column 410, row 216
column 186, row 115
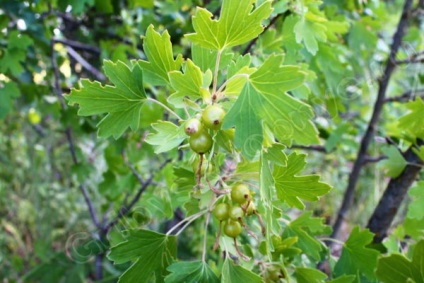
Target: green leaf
column 104, row 6
column 78, row 6
column 343, row 279
column 141, row 3
column 266, row 189
column 206, row 58
column 414, row 228
column 310, row 32
column 237, row 24
column 305, row 228
column 309, row 275
column 274, row 78
column 232, row 273
column 191, row 272
column 397, row 268
column 245, row 117
column 122, row 101
column 419, row 152
column 394, row 269
column 188, row 84
column 356, row 257
column 263, row 99
column 413, row 122
column 292, row 188
column 336, row 136
column 416, row 208
column 362, row 37
column 287, row 117
column 19, row 41
column 15, row 53
column 418, row 262
column 284, row 247
column 158, row 50
column 9, row 91
column 167, row 136
column 276, row 154
column 151, row 252
column 395, row 163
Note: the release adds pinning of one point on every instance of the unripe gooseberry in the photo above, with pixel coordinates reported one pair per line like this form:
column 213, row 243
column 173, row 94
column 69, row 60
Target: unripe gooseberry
column 212, row 117
column 193, row 127
column 232, row 228
column 236, row 212
column 221, row 211
column 201, row 143
column 34, row 117
column 250, row 209
column 240, row 193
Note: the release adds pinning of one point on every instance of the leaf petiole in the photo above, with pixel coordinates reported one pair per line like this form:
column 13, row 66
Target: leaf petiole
column 188, row 220
column 165, row 107
column 221, row 88
column 215, row 76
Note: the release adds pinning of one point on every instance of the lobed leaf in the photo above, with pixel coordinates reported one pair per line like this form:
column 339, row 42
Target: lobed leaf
column 292, row 188
column 158, row 50
column 237, row 24
column 151, row 252
column 191, row 272
column 122, row 101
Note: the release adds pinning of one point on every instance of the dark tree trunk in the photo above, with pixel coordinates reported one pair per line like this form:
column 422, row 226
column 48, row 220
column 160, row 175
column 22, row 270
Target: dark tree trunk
column 392, row 198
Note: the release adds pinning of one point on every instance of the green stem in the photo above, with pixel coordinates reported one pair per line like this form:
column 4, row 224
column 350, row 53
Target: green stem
column 229, row 80
column 165, row 107
column 215, row 76
column 205, row 237
column 333, row 240
column 188, row 219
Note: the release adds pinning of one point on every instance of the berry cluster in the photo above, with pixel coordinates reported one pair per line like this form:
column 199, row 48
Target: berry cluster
column 200, row 140
column 232, row 214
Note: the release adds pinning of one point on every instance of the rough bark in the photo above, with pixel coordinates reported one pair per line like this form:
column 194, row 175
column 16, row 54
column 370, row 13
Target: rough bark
column 393, row 196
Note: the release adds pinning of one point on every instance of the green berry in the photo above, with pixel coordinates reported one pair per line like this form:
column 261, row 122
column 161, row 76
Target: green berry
column 251, row 208
column 212, row 117
column 240, row 193
column 232, row 228
column 193, row 127
column 221, row 211
column 201, row 143
column 236, row 213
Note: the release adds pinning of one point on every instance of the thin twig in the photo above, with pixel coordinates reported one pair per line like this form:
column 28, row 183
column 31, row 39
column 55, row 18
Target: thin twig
column 135, row 173
column 56, row 74
column 199, row 171
column 370, row 159
column 68, row 132
column 378, row 106
column 99, row 76
column 126, row 208
column 410, row 61
column 271, row 22
column 205, row 237
column 409, row 95
column 318, row 148
column 218, row 235
column 211, row 205
column 78, row 45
